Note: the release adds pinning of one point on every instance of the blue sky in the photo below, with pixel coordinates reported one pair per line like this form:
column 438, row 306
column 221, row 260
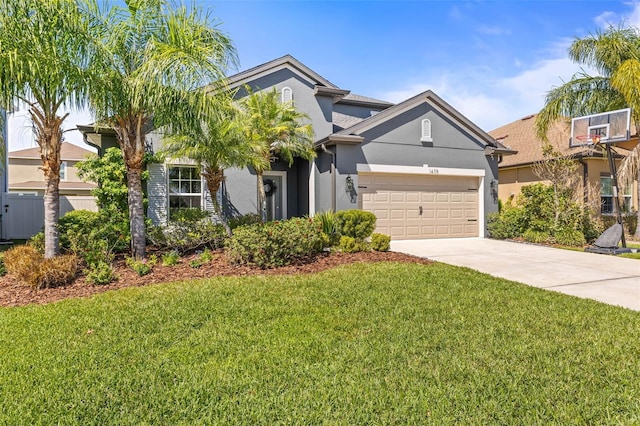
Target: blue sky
column 494, row 61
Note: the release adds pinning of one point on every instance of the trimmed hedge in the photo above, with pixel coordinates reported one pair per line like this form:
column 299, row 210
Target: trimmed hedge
column 276, row 243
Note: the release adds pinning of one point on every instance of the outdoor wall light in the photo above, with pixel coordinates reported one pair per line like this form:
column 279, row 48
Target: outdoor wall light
column 349, row 184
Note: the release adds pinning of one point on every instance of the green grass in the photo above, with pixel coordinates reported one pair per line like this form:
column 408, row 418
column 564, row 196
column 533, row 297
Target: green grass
column 364, row 344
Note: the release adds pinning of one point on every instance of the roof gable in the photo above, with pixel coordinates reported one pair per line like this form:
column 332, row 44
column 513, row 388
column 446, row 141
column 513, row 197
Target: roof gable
column 68, row 151
column 286, row 61
column 435, row 102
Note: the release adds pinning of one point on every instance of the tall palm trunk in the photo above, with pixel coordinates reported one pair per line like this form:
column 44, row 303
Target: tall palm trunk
column 131, row 140
column 262, row 198
column 214, row 176
column 49, row 137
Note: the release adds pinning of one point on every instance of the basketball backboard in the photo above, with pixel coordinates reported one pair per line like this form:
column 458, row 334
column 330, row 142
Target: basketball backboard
column 607, row 127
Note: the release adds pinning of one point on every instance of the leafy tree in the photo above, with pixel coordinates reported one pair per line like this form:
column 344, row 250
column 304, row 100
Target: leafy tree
column 44, row 46
column 152, row 58
column 214, row 145
column 615, row 54
column 275, row 130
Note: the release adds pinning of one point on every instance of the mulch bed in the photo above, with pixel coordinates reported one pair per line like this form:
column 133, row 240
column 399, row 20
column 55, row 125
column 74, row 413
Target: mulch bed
column 13, row 293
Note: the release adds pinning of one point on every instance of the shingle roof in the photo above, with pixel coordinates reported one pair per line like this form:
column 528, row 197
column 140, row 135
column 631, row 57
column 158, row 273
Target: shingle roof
column 342, row 121
column 354, row 98
column 520, row 135
column 68, row 151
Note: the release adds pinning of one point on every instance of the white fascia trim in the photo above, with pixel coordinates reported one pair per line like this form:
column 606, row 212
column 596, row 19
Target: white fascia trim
column 312, row 189
column 418, row 170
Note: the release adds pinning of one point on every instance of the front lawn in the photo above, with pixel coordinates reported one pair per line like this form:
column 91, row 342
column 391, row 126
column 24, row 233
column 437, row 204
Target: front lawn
column 385, row 343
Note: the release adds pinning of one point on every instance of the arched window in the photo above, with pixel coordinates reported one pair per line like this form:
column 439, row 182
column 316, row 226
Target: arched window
column 426, row 130
column 287, row 94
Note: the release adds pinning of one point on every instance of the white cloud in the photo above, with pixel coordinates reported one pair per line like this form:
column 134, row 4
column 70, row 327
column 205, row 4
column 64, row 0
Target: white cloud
column 609, row 18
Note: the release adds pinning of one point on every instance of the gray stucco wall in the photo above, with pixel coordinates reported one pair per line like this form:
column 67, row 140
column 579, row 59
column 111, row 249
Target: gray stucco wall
column 318, row 108
column 397, row 142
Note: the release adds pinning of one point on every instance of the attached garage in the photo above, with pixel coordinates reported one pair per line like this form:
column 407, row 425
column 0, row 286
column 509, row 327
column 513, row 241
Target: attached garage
column 414, row 206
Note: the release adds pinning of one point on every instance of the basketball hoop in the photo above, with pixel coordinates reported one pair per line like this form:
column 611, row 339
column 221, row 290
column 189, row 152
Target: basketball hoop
column 588, row 139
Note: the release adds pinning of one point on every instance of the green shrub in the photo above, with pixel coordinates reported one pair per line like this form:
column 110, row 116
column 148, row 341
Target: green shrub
column 537, row 237
column 352, row 245
column 276, row 243
column 355, row 223
column 171, row 258
column 205, row 257
column 244, row 220
column 100, row 273
column 30, row 267
column 508, row 224
column 184, row 236
column 570, row 237
column 380, row 242
column 629, row 219
column 142, row 267
column 330, row 227
column 37, row 242
column 82, row 231
column 189, row 215
column 3, row 269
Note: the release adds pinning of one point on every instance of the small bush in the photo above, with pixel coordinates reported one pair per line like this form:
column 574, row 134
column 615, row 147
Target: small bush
column 142, row 267
column 570, row 237
column 3, row 269
column 30, row 267
column 330, row 227
column 81, row 229
column 101, row 273
column 276, row 243
column 537, row 237
column 509, row 223
column 37, row 242
column 184, row 236
column 171, row 258
column 355, row 223
column 244, row 220
column 352, row 245
column 380, row 242
column 189, row 215
column 205, row 257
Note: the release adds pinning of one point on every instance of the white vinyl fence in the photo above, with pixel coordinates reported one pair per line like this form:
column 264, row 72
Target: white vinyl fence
column 22, row 216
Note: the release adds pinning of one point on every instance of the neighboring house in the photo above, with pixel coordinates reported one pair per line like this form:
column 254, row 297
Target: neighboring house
column 420, row 166
column 26, row 176
column 516, row 171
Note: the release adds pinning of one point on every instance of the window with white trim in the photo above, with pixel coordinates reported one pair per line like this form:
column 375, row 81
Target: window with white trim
column 287, row 94
column 606, row 196
column 63, row 170
column 185, row 188
column 426, row 131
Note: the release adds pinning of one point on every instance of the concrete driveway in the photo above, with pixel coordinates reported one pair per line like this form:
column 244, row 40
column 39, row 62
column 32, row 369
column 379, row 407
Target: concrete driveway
column 608, row 279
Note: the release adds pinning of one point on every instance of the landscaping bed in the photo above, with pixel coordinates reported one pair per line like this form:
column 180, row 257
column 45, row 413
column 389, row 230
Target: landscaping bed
column 13, row 293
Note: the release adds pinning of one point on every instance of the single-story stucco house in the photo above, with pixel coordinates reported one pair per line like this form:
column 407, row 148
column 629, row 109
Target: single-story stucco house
column 420, row 166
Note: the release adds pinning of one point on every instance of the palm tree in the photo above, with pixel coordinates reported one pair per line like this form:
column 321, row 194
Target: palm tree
column 153, row 59
column 214, row 145
column 615, row 54
column 275, row 130
column 43, row 64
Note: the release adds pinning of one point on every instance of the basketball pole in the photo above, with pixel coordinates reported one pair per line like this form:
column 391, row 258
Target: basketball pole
column 614, row 186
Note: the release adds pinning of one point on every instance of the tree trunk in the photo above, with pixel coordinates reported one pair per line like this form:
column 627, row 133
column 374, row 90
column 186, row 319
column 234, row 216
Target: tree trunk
column 130, row 135
column 136, row 213
column 48, row 132
column 51, row 214
column 262, row 199
column 636, row 234
column 214, row 178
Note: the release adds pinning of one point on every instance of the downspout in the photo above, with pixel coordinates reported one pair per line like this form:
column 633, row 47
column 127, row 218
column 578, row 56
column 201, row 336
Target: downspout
column 86, row 140
column 333, row 176
column 585, row 180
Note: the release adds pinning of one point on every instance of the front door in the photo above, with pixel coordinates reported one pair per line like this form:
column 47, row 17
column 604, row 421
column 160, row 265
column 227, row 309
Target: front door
column 275, row 189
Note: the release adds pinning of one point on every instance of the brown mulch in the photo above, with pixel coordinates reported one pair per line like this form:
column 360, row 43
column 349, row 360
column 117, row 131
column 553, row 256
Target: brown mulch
column 13, row 293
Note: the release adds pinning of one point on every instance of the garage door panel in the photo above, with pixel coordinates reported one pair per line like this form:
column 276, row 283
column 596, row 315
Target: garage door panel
column 418, row 206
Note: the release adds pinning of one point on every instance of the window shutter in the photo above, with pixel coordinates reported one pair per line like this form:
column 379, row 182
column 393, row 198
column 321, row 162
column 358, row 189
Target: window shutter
column 157, row 193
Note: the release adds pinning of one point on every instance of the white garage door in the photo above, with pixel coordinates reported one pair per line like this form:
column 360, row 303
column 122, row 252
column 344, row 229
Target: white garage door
column 418, row 206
